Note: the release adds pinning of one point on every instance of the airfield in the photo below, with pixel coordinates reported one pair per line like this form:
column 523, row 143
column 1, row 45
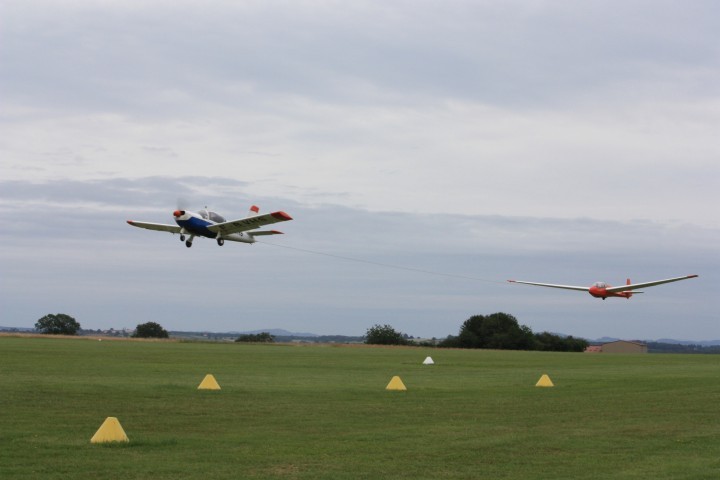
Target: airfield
column 309, row 412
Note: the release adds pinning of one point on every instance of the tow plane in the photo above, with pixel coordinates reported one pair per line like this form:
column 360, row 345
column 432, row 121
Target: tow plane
column 212, row 225
column 603, row 290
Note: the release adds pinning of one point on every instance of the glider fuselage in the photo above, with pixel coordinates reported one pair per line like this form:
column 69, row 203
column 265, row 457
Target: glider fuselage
column 599, row 290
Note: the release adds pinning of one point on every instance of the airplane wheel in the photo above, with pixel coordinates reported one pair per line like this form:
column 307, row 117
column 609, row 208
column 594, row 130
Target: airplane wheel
column 221, row 241
column 188, row 244
column 182, row 238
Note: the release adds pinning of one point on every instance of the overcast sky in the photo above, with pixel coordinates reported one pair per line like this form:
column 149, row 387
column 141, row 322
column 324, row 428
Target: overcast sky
column 467, row 141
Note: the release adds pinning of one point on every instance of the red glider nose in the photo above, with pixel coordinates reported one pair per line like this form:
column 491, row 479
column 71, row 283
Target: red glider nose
column 178, row 213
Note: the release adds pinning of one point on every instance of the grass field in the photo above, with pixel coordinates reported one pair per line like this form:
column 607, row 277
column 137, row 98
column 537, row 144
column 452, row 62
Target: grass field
column 312, row 412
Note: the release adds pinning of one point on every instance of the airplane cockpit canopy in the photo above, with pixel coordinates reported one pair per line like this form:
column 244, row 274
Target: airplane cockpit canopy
column 600, row 285
column 215, row 217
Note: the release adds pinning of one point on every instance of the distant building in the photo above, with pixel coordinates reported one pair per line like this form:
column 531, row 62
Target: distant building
column 619, row 346
column 623, row 346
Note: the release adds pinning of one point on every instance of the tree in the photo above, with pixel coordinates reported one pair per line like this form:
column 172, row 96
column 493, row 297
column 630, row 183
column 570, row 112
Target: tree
column 57, row 324
column 551, row 342
column 498, row 330
column 263, row 337
column 502, row 331
column 150, row 330
column 449, row 342
column 384, row 335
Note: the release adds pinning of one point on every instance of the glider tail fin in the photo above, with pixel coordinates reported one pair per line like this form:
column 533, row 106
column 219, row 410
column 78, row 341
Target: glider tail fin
column 254, row 210
column 629, row 292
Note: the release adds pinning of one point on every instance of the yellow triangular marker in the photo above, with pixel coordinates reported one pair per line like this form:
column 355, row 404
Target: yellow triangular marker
column 110, row 431
column 544, row 382
column 209, row 383
column 395, row 384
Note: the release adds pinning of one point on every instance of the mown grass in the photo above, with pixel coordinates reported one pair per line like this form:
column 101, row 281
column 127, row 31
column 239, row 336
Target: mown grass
column 322, row 412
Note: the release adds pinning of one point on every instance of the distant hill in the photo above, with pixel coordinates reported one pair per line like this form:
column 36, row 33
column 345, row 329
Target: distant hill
column 604, row 340
column 702, row 343
column 670, row 345
column 280, row 335
column 285, row 335
column 670, row 341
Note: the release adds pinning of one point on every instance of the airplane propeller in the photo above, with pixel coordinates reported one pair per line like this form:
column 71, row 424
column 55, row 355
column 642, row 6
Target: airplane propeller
column 182, row 203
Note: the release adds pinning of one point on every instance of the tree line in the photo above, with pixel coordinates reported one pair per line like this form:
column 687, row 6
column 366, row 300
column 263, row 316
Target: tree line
column 63, row 324
column 495, row 331
column 500, row 331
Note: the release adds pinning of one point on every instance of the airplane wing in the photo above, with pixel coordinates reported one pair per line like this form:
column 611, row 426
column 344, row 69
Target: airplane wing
column 249, row 223
column 162, row 227
column 552, row 285
column 634, row 286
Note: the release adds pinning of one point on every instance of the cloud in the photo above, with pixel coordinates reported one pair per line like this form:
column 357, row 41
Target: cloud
column 338, row 269
column 137, row 57
column 513, row 109
column 464, row 159
column 483, row 139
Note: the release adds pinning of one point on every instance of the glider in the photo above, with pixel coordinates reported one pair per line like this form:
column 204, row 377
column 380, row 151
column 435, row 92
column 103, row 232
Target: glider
column 211, row 225
column 603, row 290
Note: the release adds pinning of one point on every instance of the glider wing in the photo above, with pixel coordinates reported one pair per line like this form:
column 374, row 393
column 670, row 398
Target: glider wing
column 249, row 223
column 552, row 285
column 634, row 286
column 162, row 227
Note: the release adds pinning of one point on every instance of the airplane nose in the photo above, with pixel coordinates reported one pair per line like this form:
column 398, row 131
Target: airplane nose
column 178, row 213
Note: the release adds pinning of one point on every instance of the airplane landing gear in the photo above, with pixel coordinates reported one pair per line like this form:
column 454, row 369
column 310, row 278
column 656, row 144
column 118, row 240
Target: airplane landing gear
column 182, row 237
column 188, row 244
column 221, row 241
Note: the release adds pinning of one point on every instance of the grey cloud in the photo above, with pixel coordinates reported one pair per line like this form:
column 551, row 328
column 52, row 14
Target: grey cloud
column 253, row 79
column 341, row 228
column 139, row 59
column 118, row 192
column 335, row 270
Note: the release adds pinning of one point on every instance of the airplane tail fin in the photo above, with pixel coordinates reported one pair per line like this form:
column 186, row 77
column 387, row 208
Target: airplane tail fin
column 254, row 210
